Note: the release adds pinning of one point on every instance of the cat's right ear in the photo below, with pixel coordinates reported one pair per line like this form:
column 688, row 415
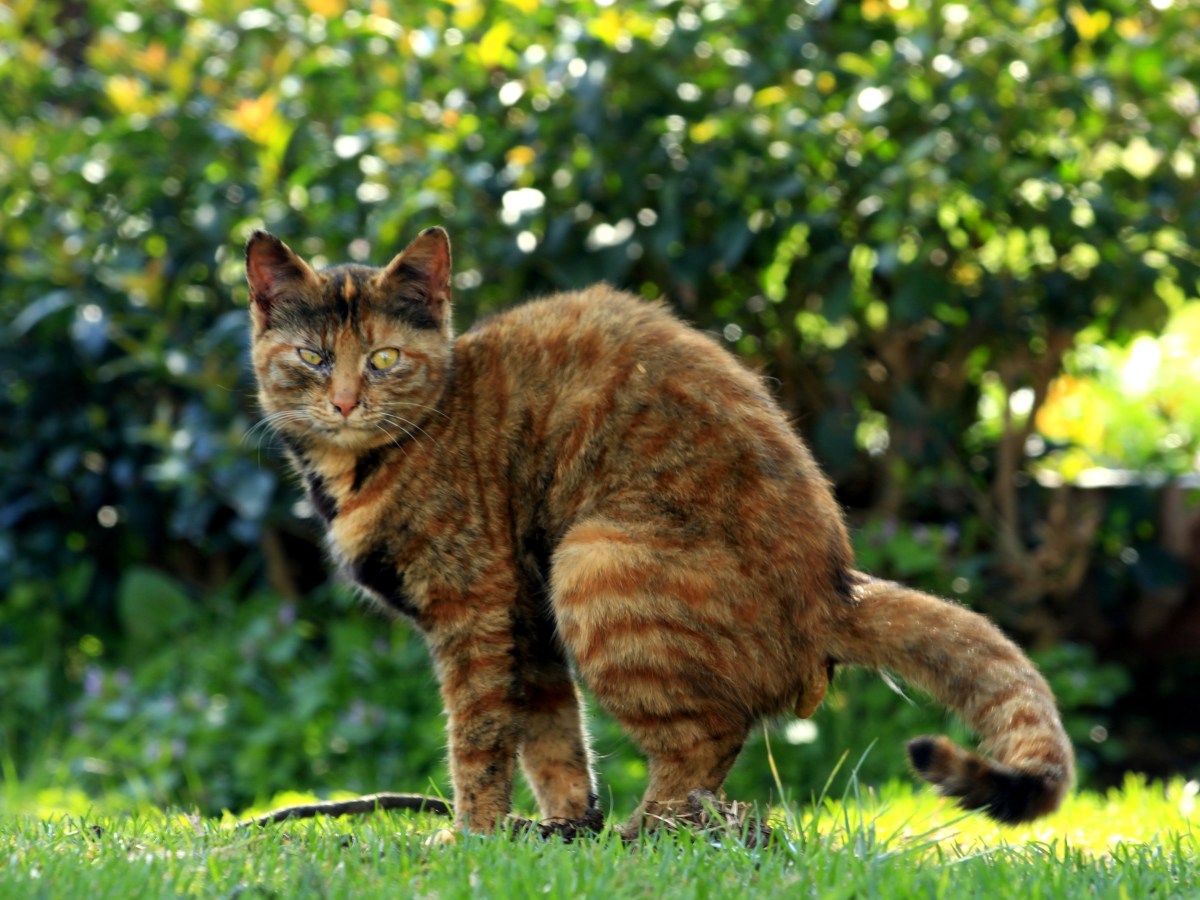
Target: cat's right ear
column 420, row 275
column 271, row 270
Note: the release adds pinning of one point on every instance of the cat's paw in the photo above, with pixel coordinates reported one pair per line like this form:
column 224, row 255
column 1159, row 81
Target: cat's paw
column 705, row 813
column 516, row 825
column 591, row 822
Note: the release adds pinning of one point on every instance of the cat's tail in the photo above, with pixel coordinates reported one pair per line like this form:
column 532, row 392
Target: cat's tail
column 966, row 663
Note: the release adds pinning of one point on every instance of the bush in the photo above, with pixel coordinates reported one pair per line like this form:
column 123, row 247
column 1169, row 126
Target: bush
column 256, row 698
column 896, row 210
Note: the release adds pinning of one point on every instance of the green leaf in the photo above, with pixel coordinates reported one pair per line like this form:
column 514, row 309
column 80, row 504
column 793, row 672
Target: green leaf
column 152, row 606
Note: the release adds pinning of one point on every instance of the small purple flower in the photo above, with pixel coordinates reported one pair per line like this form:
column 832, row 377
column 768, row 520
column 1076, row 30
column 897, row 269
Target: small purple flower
column 93, row 682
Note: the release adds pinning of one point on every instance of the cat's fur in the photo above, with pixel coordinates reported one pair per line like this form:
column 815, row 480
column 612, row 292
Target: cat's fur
column 585, row 484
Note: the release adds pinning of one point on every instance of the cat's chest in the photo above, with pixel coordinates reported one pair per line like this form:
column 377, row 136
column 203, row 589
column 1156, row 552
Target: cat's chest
column 405, row 538
column 371, row 544
column 357, row 496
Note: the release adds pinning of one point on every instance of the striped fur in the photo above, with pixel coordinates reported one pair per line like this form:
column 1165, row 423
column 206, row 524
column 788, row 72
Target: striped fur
column 584, row 486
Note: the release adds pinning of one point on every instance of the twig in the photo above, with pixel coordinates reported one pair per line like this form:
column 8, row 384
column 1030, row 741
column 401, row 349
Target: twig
column 356, row 806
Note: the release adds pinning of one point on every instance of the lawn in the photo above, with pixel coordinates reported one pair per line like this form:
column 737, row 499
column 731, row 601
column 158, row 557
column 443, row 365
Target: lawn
column 1138, row 841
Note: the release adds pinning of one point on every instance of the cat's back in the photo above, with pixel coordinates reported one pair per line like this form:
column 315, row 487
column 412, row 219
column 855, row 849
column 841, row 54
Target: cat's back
column 580, row 328
column 603, row 394
column 601, row 338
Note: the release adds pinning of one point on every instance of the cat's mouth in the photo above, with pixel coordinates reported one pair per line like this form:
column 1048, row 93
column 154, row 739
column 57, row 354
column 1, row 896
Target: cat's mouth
column 346, row 432
column 351, row 434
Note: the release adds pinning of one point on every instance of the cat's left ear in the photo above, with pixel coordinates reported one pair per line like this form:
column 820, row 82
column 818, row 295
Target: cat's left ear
column 421, row 272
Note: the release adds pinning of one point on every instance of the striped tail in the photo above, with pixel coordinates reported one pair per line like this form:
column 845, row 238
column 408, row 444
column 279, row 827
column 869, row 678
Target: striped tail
column 968, row 665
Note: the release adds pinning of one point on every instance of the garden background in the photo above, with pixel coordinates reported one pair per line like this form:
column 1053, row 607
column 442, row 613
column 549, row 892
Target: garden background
column 961, row 239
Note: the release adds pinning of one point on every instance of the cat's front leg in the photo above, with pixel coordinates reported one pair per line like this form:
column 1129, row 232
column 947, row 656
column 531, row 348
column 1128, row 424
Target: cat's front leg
column 475, row 665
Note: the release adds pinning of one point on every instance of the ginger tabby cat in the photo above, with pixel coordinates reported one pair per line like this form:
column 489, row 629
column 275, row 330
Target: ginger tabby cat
column 583, row 486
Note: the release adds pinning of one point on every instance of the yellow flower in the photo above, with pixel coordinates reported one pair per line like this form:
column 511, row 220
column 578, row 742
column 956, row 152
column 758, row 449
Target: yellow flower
column 330, row 9
column 127, row 94
column 521, row 155
column 259, row 119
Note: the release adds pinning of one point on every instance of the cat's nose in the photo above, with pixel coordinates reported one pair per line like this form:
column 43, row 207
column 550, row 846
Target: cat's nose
column 344, row 403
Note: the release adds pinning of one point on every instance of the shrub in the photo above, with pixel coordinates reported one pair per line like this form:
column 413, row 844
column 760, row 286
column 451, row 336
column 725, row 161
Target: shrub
column 896, row 210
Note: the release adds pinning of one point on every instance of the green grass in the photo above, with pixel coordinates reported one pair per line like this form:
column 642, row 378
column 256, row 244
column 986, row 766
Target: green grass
column 1135, row 842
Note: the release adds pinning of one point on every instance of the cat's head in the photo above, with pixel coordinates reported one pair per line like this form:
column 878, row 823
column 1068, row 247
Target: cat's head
column 350, row 356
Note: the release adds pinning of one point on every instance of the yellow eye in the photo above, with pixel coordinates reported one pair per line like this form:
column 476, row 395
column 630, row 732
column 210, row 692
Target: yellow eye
column 312, row 357
column 385, row 358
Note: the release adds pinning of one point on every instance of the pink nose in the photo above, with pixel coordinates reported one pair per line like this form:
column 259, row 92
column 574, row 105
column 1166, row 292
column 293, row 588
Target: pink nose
column 345, row 404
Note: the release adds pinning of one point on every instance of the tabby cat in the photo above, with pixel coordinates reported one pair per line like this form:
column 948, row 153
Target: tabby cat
column 583, row 485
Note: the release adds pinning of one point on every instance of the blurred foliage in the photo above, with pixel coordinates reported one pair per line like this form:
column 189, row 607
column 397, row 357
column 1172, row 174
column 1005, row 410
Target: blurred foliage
column 194, row 714
column 912, row 215
column 1134, row 407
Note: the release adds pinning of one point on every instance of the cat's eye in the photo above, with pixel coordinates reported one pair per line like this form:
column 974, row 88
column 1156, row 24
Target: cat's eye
column 312, row 357
column 384, row 359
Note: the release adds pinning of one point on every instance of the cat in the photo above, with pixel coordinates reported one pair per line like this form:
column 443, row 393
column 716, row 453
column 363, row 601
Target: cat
column 584, row 486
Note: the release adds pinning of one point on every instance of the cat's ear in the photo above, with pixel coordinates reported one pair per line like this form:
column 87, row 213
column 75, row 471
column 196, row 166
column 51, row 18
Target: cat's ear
column 421, row 272
column 272, row 269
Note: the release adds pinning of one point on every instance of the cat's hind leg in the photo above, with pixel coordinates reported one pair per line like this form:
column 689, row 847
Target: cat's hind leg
column 648, row 636
column 690, row 753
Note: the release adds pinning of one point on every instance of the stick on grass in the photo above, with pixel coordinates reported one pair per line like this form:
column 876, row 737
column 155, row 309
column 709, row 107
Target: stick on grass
column 353, row 807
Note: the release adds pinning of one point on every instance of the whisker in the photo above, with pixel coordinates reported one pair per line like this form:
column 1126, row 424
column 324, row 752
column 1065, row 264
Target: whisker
column 432, row 409
column 401, row 421
column 270, row 420
column 391, row 437
column 266, row 427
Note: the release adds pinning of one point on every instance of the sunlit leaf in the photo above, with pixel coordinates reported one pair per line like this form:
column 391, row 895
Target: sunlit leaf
column 769, row 96
column 1129, row 27
column 607, row 26
column 1140, row 159
column 468, row 13
column 330, row 9
column 493, row 47
column 856, row 65
column 1089, row 25
column 126, row 93
column 1073, row 412
column 875, row 9
column 705, row 131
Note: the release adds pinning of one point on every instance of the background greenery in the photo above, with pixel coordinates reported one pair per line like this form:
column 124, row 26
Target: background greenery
column 962, row 239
